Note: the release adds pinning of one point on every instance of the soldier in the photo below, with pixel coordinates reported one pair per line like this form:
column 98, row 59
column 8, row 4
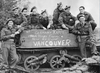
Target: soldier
column 19, row 18
column 83, row 30
column 45, row 20
column 66, row 19
column 56, row 14
column 88, row 17
column 25, row 13
column 34, row 19
column 8, row 46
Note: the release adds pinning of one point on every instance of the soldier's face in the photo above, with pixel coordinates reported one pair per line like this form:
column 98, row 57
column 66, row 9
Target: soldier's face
column 10, row 24
column 82, row 19
column 25, row 12
column 34, row 11
column 60, row 8
column 44, row 14
column 16, row 11
column 81, row 10
column 67, row 10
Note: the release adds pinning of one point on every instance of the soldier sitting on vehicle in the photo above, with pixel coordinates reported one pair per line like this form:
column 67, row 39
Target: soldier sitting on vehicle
column 88, row 17
column 8, row 46
column 66, row 19
column 19, row 18
column 25, row 13
column 56, row 14
column 45, row 20
column 83, row 31
column 34, row 19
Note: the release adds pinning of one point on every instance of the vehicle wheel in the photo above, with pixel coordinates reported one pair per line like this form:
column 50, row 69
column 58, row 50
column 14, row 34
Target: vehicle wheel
column 55, row 62
column 31, row 66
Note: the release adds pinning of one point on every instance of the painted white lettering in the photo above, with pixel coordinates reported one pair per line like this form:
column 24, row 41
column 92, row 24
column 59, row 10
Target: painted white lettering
column 46, row 43
column 55, row 43
column 35, row 43
column 68, row 42
column 63, row 41
column 50, row 43
column 59, row 42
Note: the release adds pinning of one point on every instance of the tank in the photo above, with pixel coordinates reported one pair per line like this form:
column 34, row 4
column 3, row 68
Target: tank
column 58, row 48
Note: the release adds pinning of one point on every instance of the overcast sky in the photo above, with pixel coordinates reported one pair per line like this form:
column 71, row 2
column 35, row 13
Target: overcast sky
column 92, row 6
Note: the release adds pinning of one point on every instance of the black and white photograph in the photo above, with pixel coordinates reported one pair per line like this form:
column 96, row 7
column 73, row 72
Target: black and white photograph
column 49, row 36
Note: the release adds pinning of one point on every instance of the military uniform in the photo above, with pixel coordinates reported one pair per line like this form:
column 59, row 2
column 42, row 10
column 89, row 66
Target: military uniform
column 44, row 21
column 67, row 19
column 56, row 14
column 88, row 18
column 34, row 21
column 8, row 46
column 19, row 19
column 84, row 33
column 27, row 26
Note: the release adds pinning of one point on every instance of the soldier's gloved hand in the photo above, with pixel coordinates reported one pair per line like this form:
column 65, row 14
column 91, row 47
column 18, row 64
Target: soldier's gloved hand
column 12, row 35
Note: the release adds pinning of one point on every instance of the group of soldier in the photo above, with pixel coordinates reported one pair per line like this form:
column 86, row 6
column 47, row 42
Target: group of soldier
column 82, row 26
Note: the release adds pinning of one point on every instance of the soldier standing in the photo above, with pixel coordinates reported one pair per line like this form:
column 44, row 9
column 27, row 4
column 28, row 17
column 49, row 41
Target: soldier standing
column 83, row 30
column 88, row 17
column 66, row 19
column 56, row 14
column 34, row 19
column 8, row 46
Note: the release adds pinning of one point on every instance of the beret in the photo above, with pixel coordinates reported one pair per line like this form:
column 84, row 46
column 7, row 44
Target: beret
column 67, row 7
column 24, row 9
column 44, row 11
column 33, row 8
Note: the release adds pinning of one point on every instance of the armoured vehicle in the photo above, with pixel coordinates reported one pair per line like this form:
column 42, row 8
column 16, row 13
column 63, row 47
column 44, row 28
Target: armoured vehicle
column 58, row 48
